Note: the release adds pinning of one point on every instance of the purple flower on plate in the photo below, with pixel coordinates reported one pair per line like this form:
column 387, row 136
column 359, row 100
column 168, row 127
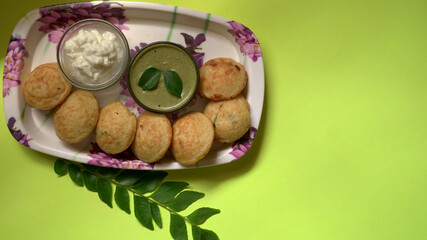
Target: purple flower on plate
column 241, row 146
column 17, row 134
column 193, row 45
column 13, row 64
column 133, row 52
column 125, row 159
column 56, row 19
column 246, row 39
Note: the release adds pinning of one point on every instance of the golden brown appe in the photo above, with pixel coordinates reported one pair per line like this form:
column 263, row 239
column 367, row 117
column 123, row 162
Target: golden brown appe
column 222, row 79
column 75, row 119
column 116, row 128
column 230, row 118
column 45, row 87
column 153, row 137
column 192, row 138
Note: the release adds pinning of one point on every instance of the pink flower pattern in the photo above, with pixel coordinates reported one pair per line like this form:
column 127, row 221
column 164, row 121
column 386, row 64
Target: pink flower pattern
column 246, row 39
column 13, row 64
column 192, row 44
column 125, row 159
column 241, row 146
column 17, row 134
column 56, row 19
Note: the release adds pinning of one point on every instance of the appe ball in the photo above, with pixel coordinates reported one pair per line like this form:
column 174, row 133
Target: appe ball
column 153, row 136
column 116, row 128
column 45, row 87
column 192, row 138
column 222, row 79
column 230, row 118
column 76, row 118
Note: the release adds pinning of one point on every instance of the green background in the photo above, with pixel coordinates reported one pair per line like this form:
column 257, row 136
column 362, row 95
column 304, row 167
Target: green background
column 341, row 151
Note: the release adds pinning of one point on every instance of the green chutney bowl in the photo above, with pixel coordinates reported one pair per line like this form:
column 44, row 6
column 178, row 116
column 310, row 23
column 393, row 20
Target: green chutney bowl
column 163, row 57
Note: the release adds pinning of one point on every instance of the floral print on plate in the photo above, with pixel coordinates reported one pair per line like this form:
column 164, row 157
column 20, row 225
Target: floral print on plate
column 17, row 134
column 241, row 146
column 13, row 64
column 57, row 19
column 125, row 159
column 246, row 39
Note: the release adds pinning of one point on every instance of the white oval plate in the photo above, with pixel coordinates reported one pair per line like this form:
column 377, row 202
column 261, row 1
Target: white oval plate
column 34, row 42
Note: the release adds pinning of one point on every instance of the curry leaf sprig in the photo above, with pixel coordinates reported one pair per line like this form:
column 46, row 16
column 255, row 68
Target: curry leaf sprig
column 150, row 193
column 150, row 77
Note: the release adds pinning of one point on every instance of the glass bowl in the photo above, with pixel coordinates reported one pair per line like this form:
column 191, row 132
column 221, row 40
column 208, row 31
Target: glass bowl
column 93, row 54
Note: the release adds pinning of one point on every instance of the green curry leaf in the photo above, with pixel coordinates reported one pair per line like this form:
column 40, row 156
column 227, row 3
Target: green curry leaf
column 203, row 234
column 149, row 182
column 173, row 83
column 208, row 235
column 177, row 228
column 201, row 215
column 121, row 196
column 75, row 174
column 184, row 199
column 105, row 191
column 90, row 181
column 149, row 78
column 128, row 177
column 108, row 172
column 155, row 213
column 60, row 167
column 142, row 209
column 168, row 190
column 197, row 232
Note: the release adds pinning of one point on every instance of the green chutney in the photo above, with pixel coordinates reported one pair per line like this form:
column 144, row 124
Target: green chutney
column 164, row 56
